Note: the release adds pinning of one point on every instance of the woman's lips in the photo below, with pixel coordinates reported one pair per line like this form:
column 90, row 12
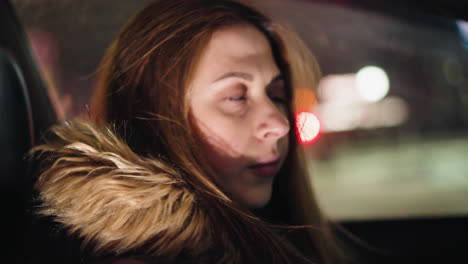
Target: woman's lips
column 267, row 169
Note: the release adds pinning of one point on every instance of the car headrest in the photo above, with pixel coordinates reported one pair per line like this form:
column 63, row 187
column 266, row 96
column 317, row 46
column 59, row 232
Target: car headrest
column 13, row 41
column 16, row 137
column 25, row 114
column 16, row 134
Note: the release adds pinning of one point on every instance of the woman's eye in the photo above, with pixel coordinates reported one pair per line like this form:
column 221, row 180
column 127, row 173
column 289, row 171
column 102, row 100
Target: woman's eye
column 237, row 93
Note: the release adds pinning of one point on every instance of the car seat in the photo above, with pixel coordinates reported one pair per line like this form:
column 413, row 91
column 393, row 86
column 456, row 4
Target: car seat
column 25, row 114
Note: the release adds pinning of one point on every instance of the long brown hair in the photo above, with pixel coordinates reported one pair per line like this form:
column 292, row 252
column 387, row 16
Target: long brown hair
column 141, row 89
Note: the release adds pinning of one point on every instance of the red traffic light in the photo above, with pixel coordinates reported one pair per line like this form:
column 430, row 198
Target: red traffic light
column 307, row 127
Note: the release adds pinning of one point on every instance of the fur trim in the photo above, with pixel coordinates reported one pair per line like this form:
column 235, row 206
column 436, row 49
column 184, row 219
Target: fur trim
column 97, row 187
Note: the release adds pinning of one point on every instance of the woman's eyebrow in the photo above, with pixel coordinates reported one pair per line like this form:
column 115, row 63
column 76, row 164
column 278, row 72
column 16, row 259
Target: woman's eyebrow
column 248, row 77
column 242, row 75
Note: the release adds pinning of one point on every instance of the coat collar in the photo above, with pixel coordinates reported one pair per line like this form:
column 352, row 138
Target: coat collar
column 98, row 188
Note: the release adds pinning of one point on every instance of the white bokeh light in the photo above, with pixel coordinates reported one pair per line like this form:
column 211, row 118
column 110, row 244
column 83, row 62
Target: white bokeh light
column 308, row 127
column 372, row 83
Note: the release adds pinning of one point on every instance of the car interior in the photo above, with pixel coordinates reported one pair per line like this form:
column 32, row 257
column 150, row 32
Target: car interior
column 370, row 175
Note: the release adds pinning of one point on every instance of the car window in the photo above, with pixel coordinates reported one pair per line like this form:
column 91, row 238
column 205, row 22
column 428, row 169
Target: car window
column 393, row 110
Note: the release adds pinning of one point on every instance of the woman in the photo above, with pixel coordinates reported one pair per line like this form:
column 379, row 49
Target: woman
column 192, row 157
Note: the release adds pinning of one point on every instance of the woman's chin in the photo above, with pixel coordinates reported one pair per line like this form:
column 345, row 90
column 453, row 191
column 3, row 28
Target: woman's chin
column 257, row 199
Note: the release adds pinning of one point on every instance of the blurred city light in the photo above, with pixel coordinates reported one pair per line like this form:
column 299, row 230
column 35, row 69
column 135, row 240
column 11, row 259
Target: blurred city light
column 307, row 127
column 358, row 101
column 463, row 31
column 337, row 118
column 304, row 99
column 339, row 89
column 389, row 112
column 372, row 83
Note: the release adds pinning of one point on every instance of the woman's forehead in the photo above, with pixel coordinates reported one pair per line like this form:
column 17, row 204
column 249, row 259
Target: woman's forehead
column 236, row 48
column 238, row 42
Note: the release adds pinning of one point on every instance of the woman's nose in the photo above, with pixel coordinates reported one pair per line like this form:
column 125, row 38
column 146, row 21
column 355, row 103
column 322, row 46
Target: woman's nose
column 272, row 125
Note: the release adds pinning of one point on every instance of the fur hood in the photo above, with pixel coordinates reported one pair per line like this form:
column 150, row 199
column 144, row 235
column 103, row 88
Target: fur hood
column 118, row 202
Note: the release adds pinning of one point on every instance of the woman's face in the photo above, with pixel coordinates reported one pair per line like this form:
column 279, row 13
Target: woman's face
column 237, row 101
